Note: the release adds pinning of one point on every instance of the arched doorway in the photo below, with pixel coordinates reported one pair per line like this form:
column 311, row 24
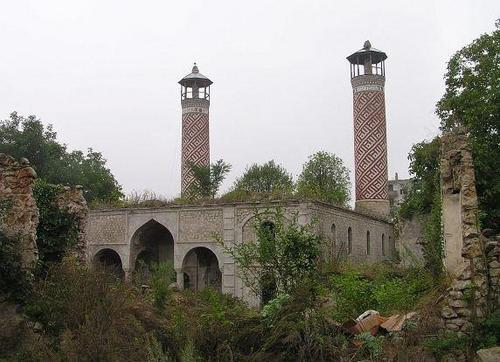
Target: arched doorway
column 151, row 244
column 201, row 270
column 109, row 261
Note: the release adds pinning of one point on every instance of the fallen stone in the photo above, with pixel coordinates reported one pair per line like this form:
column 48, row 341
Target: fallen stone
column 489, row 354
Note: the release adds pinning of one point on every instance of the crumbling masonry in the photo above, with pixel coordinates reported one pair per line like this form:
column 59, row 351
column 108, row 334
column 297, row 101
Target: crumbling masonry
column 469, row 259
column 18, row 211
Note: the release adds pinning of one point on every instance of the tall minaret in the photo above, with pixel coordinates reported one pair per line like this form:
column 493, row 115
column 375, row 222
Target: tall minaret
column 195, row 101
column 370, row 141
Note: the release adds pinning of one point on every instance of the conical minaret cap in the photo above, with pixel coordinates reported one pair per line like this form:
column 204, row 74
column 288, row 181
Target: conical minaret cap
column 195, row 78
column 365, row 53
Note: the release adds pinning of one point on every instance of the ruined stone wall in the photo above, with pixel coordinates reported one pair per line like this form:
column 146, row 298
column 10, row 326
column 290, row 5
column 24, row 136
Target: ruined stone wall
column 18, row 211
column 71, row 201
column 468, row 298
column 410, row 241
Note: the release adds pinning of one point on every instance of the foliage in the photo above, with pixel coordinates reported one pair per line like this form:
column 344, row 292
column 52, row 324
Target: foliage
column 485, row 335
column 234, row 329
column 424, row 200
column 324, row 177
column 207, row 179
column 57, row 230
column 162, row 276
column 302, row 331
column 14, row 281
column 384, row 288
column 433, row 247
column 283, row 254
column 424, row 160
column 472, row 100
column 90, row 316
column 371, row 345
column 28, row 137
column 269, row 178
column 271, row 309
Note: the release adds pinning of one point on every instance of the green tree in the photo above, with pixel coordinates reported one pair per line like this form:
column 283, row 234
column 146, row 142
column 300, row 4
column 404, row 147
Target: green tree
column 207, row 179
column 283, row 254
column 472, row 99
column 27, row 137
column 324, row 177
column 424, row 200
column 267, row 178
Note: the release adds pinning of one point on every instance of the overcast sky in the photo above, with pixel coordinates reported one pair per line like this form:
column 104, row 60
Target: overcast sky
column 105, row 74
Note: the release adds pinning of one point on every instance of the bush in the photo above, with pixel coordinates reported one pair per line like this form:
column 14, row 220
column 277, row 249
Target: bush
column 57, row 230
column 14, row 280
column 381, row 287
column 90, row 316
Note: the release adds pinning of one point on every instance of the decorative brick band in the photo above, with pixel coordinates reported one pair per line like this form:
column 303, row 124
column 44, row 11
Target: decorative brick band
column 195, row 138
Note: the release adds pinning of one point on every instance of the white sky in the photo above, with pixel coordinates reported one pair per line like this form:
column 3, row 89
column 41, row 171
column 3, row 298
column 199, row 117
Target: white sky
column 105, row 74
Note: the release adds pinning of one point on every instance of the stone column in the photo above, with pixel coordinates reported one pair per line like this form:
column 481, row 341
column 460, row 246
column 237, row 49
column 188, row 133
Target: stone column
column 465, row 259
column 180, row 278
column 18, row 211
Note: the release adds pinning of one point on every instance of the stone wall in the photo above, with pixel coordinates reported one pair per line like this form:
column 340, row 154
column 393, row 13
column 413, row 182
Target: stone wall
column 410, row 241
column 194, row 226
column 467, row 300
column 71, row 201
column 18, row 211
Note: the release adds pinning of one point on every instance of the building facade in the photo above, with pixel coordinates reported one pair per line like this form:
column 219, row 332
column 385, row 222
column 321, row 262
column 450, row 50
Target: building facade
column 187, row 237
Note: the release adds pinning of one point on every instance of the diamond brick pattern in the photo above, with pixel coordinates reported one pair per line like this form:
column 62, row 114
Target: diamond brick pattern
column 370, row 145
column 195, row 145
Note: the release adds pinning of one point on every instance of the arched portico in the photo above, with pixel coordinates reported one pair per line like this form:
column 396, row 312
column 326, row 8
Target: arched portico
column 151, row 243
column 201, row 269
column 110, row 261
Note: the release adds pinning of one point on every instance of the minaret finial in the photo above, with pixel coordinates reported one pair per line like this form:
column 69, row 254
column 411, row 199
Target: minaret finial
column 195, row 68
column 367, row 45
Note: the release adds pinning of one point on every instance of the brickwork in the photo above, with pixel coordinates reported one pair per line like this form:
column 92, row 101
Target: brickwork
column 195, row 138
column 370, row 143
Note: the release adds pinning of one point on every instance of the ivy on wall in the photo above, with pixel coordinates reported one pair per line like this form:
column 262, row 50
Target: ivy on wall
column 57, row 230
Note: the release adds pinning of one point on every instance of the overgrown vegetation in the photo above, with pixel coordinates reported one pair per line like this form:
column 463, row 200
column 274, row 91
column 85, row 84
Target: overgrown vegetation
column 324, row 177
column 14, row 280
column 27, row 137
column 283, row 254
column 57, row 231
column 207, row 179
column 424, row 200
column 472, row 100
column 268, row 178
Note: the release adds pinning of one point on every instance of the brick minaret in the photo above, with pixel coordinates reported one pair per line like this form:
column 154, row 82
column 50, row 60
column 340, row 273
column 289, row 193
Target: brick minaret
column 370, row 141
column 195, row 101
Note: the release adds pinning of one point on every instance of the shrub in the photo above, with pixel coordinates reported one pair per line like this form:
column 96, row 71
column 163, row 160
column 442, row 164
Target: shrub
column 57, row 230
column 14, row 280
column 90, row 316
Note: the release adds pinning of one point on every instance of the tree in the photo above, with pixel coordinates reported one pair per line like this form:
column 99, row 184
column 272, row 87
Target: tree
column 324, row 177
column 267, row 178
column 282, row 256
column 27, row 137
column 207, row 179
column 472, row 100
column 424, row 200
